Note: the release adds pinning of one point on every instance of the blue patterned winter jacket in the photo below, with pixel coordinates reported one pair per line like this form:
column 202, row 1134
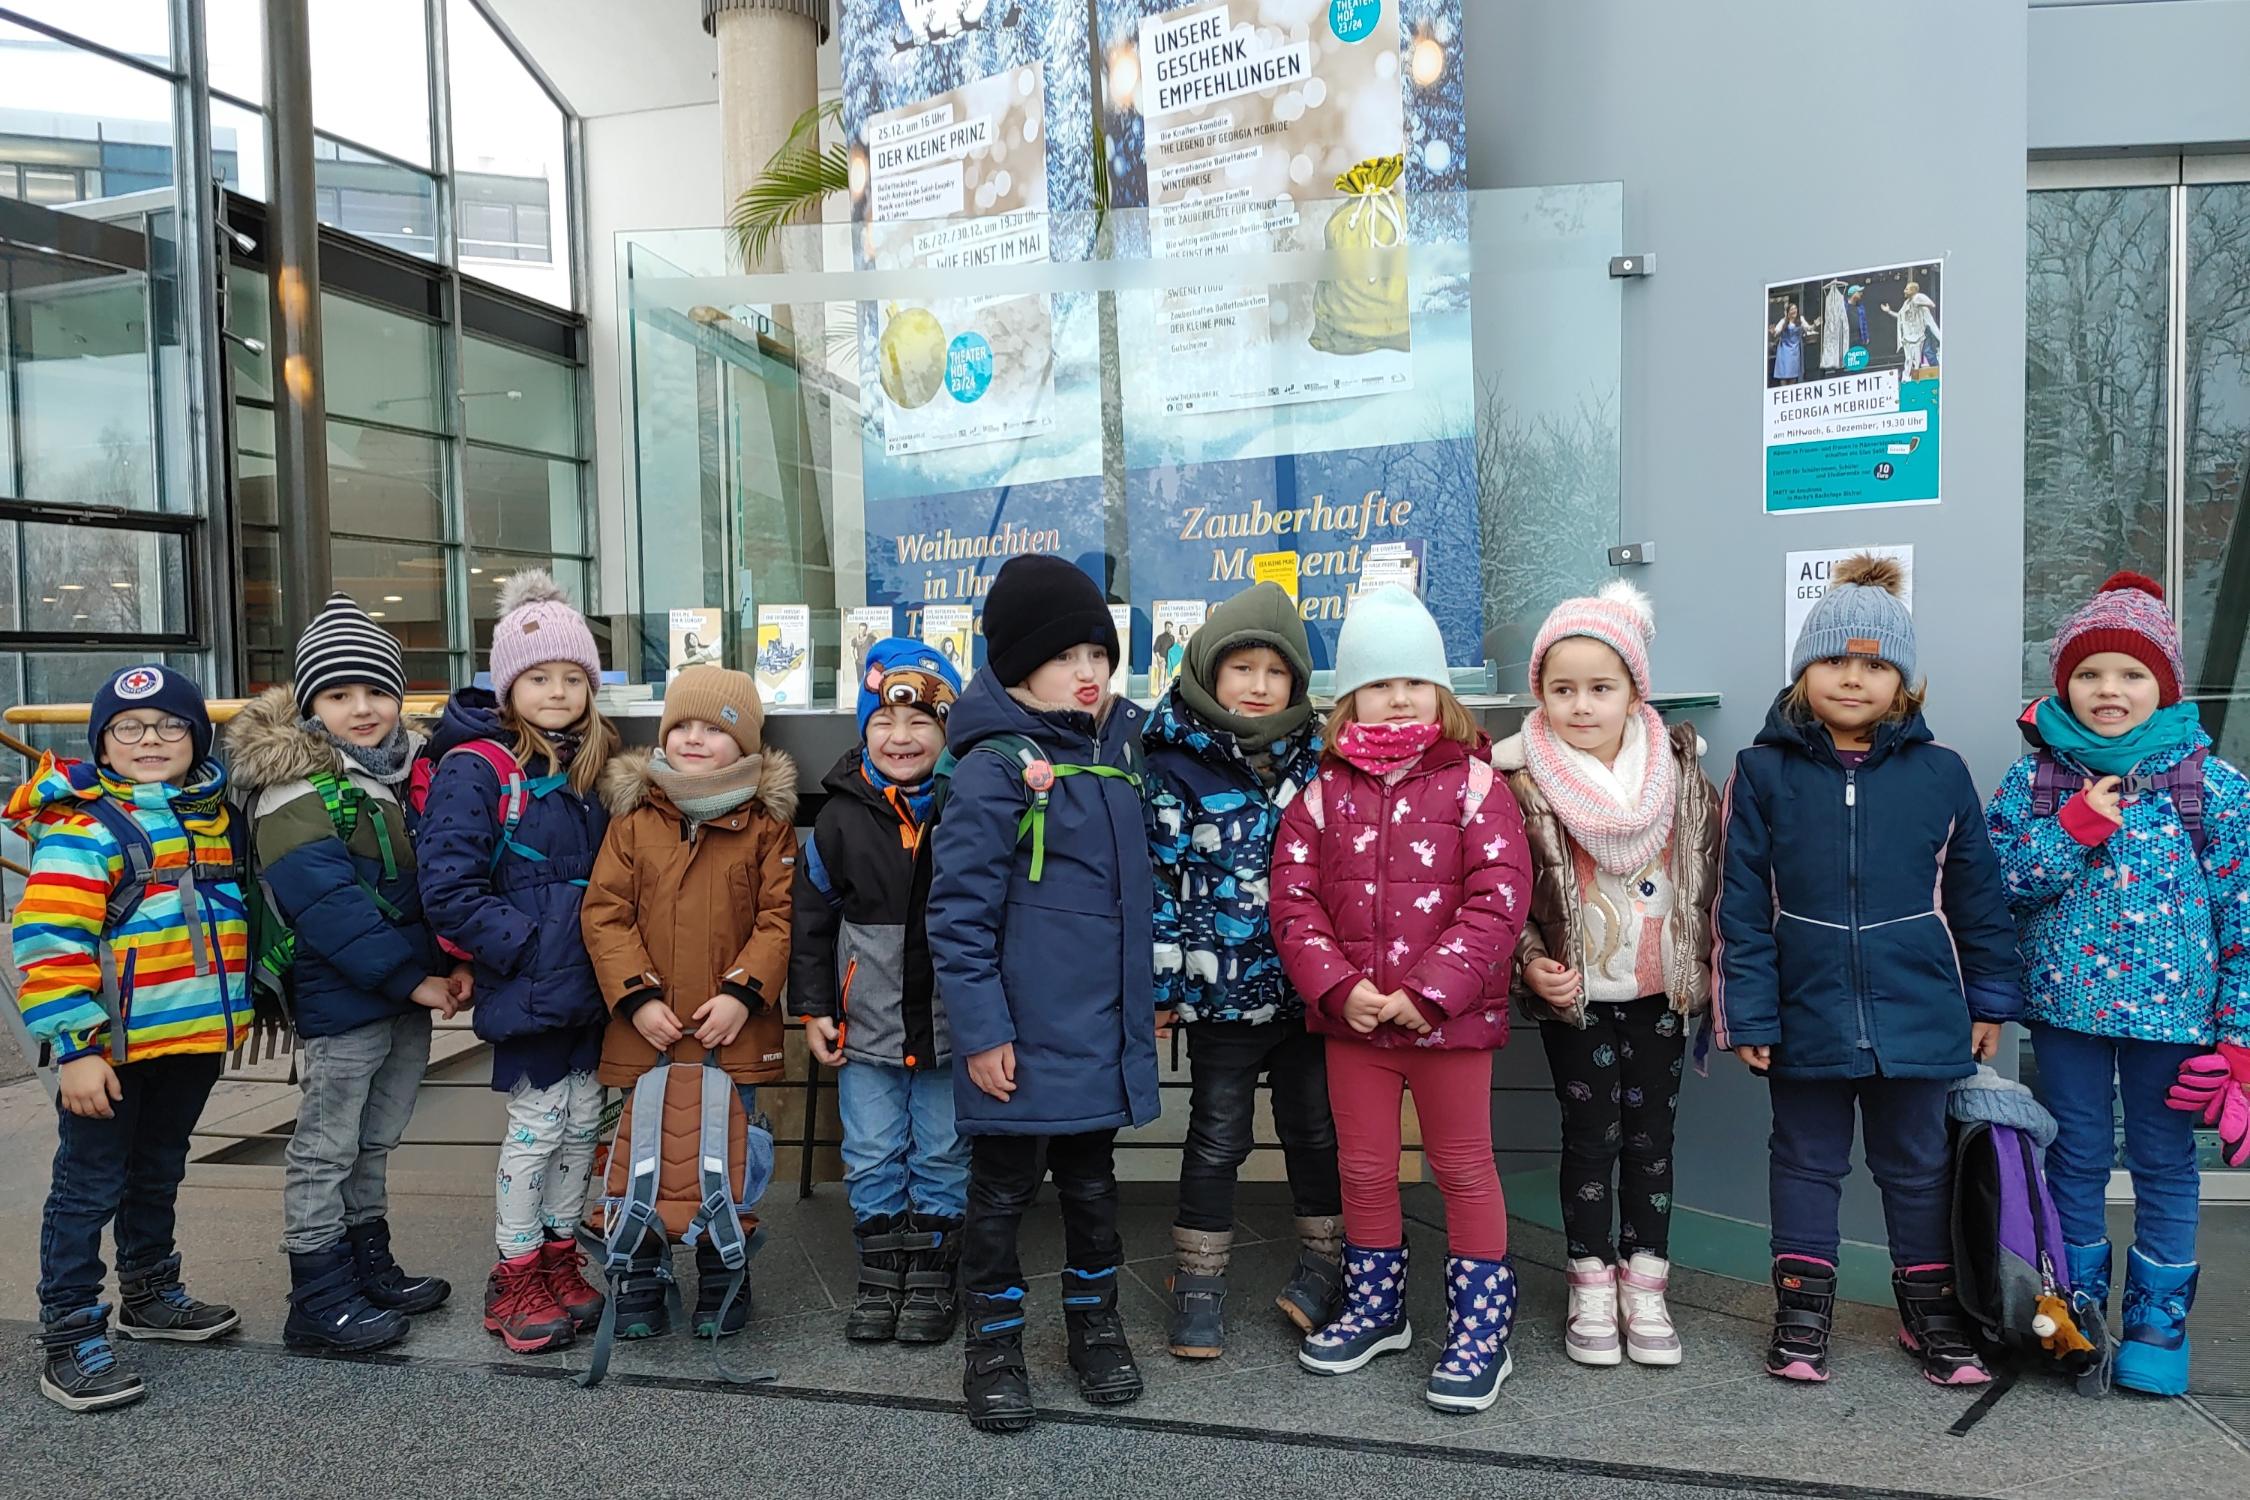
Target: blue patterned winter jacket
column 2134, row 936
column 1211, row 827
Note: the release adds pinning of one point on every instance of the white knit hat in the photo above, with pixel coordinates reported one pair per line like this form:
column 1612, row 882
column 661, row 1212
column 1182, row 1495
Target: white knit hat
column 1387, row 633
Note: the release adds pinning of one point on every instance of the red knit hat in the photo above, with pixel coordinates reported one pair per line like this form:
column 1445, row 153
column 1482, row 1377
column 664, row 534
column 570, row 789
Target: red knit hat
column 2126, row 614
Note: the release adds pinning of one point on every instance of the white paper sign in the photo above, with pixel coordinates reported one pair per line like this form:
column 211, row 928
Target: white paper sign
column 784, row 660
column 1806, row 583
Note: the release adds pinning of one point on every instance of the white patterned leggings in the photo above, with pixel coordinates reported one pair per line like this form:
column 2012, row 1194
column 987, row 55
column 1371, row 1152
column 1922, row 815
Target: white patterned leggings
column 544, row 1159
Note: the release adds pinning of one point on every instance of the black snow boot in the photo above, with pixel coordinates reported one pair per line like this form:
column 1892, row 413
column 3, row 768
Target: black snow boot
column 711, row 1281
column 993, row 1380
column 153, row 1305
column 639, row 1292
column 1804, row 1293
column 380, row 1277
column 882, row 1279
column 1107, row 1375
column 81, row 1372
column 933, row 1301
column 328, row 1312
column 1933, row 1328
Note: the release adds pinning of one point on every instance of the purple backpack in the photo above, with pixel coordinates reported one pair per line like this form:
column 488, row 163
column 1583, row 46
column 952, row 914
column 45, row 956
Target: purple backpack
column 2007, row 1238
column 2053, row 784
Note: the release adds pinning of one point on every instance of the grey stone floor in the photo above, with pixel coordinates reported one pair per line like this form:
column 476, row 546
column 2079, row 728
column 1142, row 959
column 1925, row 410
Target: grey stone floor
column 1244, row 1421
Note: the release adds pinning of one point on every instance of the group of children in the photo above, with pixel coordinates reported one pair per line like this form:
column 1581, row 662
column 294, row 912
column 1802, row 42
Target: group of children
column 1014, row 888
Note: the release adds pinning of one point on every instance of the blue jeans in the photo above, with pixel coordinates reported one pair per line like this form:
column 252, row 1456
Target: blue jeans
column 900, row 1148
column 2080, row 1078
column 1908, row 1154
column 126, row 1168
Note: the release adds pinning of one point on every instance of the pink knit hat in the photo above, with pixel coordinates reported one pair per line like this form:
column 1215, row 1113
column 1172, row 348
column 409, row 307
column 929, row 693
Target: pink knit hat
column 1618, row 615
column 2126, row 614
column 538, row 624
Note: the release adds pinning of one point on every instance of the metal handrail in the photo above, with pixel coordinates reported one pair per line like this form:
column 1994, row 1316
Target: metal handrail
column 221, row 709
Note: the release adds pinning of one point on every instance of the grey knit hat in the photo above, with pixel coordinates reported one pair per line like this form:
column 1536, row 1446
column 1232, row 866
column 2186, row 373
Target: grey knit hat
column 1860, row 615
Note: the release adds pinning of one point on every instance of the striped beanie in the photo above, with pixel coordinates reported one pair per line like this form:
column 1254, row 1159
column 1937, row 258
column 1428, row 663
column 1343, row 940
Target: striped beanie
column 2126, row 614
column 1618, row 615
column 342, row 646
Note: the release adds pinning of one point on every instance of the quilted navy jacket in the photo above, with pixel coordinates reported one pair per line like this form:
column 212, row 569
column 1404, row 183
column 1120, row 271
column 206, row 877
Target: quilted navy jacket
column 1862, row 920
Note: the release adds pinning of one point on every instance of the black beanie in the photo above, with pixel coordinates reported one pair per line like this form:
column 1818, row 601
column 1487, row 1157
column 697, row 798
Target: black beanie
column 1039, row 607
column 151, row 685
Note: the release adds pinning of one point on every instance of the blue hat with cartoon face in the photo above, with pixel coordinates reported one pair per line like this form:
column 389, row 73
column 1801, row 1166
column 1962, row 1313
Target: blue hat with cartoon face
column 907, row 672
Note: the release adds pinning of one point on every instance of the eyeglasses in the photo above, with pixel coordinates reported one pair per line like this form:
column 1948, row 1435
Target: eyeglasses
column 133, row 731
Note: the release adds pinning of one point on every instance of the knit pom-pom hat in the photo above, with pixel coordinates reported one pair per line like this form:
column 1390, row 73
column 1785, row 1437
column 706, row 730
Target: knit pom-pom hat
column 538, row 624
column 1618, row 615
column 2127, row 613
column 1862, row 614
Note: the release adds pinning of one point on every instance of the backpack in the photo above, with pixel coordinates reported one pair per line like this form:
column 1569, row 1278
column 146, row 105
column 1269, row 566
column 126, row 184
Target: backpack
column 273, row 946
column 1039, row 773
column 1481, row 778
column 517, row 792
column 2010, row 1272
column 731, row 1165
column 2053, row 784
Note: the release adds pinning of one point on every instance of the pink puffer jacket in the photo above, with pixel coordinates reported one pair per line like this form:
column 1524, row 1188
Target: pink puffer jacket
column 1384, row 883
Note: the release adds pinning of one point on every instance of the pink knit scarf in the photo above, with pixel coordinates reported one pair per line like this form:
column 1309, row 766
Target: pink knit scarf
column 1381, row 748
column 1620, row 839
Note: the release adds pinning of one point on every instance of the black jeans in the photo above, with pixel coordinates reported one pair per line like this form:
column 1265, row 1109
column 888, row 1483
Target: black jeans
column 1004, row 1176
column 1225, row 1059
column 1618, row 1081
column 126, row 1168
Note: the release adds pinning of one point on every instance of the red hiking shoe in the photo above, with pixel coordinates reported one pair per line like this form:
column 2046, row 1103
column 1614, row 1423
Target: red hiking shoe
column 520, row 1306
column 565, row 1267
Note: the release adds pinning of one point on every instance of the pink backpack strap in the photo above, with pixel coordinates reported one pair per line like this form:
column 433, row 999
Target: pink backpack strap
column 1481, row 775
column 510, row 774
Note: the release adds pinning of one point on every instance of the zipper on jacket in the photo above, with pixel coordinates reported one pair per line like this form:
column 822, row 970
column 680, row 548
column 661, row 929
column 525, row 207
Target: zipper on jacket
column 1851, row 839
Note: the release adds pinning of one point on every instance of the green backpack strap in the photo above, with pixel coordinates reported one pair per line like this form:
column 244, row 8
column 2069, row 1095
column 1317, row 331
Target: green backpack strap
column 1039, row 775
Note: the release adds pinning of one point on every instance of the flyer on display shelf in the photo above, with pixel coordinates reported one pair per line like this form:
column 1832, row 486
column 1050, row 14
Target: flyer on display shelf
column 1121, row 619
column 1805, row 582
column 861, row 629
column 1851, row 376
column 1172, row 621
column 951, row 629
column 1393, row 562
column 697, row 639
column 785, row 655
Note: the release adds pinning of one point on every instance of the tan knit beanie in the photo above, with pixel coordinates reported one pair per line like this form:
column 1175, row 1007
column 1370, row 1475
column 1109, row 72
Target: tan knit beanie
column 718, row 696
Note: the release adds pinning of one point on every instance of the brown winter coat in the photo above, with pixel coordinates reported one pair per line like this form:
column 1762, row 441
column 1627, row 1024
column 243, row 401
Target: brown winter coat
column 1557, row 926
column 692, row 910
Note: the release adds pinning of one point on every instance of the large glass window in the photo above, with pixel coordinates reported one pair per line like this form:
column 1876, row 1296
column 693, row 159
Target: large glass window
column 371, row 75
column 138, row 28
column 76, row 126
column 2215, row 491
column 79, row 374
column 511, row 164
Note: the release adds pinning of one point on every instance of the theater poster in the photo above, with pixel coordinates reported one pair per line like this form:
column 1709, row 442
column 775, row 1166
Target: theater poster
column 1851, row 374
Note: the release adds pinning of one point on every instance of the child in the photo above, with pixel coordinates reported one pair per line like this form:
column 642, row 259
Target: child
column 505, row 861
column 321, row 766
column 1230, row 745
column 1040, row 939
column 859, row 941
column 1398, row 884
column 1624, row 834
column 2136, row 948
column 687, row 919
column 1865, row 960
column 171, row 952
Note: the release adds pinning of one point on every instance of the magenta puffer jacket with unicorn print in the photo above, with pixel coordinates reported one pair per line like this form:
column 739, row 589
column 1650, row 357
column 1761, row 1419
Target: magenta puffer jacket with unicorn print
column 1401, row 884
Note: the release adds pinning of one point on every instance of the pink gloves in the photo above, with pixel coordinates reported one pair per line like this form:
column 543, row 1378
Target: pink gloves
column 2216, row 1086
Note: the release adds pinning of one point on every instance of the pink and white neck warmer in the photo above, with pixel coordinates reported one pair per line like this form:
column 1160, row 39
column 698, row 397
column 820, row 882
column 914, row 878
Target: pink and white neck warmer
column 1622, row 814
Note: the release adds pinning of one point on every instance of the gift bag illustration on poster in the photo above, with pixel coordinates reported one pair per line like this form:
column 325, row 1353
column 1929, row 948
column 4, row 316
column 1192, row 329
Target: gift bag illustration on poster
column 1851, row 375
column 785, row 655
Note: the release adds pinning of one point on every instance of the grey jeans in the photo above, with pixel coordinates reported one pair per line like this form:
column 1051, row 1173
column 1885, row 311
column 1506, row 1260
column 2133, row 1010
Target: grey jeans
column 359, row 1093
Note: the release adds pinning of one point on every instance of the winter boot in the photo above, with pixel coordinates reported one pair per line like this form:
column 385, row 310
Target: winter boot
column 327, row 1310
column 933, row 1294
column 81, row 1371
column 153, row 1305
column 882, row 1279
column 1199, row 1292
column 2152, row 1336
column 1590, row 1327
column 711, row 1281
column 381, row 1279
column 1315, row 1291
column 1481, row 1296
column 1107, row 1375
column 565, row 1265
column 1933, row 1328
column 994, row 1381
column 1374, row 1317
column 1650, row 1338
column 640, row 1292
column 520, row 1306
column 1804, row 1294
column 2089, row 1308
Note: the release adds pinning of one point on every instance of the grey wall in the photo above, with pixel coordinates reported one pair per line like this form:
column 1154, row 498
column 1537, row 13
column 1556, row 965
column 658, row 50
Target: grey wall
column 1737, row 171
column 2149, row 73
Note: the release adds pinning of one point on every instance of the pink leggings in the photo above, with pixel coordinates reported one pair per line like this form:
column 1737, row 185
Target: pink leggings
column 1453, row 1099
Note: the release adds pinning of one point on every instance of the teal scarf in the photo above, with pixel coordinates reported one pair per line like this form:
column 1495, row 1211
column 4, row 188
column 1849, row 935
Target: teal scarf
column 2165, row 730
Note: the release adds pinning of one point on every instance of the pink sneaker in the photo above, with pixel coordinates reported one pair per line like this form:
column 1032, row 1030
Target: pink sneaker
column 1590, row 1330
column 1649, row 1336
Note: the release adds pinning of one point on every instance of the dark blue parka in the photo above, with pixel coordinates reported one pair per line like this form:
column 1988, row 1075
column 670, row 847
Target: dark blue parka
column 517, row 917
column 1862, row 920
column 1060, row 967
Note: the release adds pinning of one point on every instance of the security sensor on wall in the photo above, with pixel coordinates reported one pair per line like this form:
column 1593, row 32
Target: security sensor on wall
column 1626, row 267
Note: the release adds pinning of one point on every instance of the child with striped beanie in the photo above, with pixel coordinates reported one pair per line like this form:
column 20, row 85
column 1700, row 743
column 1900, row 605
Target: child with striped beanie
column 1616, row 957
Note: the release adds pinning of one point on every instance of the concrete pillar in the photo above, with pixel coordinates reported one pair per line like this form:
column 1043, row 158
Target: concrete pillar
column 768, row 78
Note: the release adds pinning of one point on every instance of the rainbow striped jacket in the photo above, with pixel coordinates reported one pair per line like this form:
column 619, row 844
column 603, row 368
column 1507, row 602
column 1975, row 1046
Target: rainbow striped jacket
column 172, row 1004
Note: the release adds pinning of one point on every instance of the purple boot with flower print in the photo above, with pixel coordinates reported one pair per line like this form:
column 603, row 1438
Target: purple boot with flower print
column 1374, row 1318
column 1482, row 1295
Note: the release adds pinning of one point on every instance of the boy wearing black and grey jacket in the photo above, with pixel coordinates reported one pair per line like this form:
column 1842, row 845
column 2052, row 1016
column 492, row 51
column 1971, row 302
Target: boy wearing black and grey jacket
column 860, row 976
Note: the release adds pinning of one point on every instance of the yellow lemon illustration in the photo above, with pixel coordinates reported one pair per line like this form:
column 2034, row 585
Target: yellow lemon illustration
column 911, row 357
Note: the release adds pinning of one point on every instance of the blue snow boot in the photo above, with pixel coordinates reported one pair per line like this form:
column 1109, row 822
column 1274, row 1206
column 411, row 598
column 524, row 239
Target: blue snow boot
column 2088, row 1266
column 2152, row 1338
column 1481, row 1295
column 1374, row 1318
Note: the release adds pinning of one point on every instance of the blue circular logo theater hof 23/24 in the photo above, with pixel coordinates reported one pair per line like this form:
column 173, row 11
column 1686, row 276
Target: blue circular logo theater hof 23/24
column 1353, row 20
column 968, row 366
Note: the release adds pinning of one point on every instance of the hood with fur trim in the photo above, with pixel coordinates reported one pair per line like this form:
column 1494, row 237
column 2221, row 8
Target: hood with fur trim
column 267, row 745
column 627, row 783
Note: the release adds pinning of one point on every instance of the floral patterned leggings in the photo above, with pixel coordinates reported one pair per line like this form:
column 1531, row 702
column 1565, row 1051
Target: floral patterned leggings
column 1618, row 1080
